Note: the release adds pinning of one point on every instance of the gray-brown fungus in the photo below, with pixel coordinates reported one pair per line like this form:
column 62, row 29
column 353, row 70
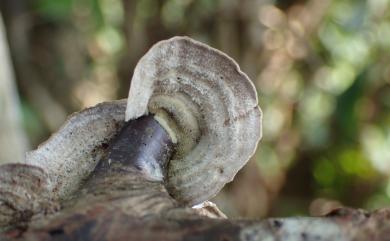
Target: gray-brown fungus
column 56, row 168
column 206, row 104
column 210, row 107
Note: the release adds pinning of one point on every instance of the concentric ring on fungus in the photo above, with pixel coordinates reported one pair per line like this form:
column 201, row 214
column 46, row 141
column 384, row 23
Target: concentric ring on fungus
column 208, row 106
column 198, row 94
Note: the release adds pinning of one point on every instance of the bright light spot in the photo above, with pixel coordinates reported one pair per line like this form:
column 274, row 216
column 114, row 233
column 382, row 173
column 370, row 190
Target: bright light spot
column 110, row 40
column 354, row 49
column 378, row 7
column 272, row 17
column 316, row 105
column 354, row 163
column 337, row 79
column 376, row 143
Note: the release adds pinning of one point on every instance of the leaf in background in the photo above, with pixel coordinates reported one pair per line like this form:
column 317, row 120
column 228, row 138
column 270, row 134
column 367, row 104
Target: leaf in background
column 55, row 10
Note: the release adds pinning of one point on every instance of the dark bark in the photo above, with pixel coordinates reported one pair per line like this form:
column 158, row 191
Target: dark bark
column 104, row 223
column 121, row 201
column 141, row 144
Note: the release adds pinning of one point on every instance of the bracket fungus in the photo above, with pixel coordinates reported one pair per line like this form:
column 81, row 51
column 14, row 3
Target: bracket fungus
column 131, row 169
column 206, row 106
column 209, row 107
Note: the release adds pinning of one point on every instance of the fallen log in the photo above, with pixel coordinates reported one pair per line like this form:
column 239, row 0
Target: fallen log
column 191, row 123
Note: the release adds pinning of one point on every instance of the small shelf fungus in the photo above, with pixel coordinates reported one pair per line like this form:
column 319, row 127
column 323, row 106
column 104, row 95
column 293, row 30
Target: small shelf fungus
column 190, row 123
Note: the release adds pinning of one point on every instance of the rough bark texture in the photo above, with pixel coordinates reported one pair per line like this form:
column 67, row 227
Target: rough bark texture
column 107, row 221
column 122, row 200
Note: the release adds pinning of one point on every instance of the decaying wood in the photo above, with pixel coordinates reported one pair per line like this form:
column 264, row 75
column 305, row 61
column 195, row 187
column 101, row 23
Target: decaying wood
column 128, row 217
column 122, row 200
column 101, row 178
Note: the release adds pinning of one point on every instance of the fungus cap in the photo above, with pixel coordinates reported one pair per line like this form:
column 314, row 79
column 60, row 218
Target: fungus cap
column 209, row 107
column 198, row 94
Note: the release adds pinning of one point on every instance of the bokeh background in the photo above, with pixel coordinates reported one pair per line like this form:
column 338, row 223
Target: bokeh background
column 321, row 67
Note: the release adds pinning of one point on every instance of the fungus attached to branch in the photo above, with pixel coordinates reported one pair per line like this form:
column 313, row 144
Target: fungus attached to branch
column 72, row 153
column 191, row 123
column 208, row 105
